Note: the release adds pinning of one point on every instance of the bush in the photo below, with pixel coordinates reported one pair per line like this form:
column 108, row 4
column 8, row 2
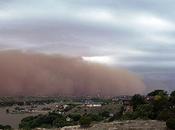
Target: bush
column 47, row 121
column 85, row 121
column 75, row 117
column 165, row 115
column 6, row 127
column 137, row 100
column 105, row 114
column 129, row 116
column 170, row 123
column 60, row 122
column 157, row 92
column 144, row 111
column 95, row 117
column 117, row 115
column 160, row 103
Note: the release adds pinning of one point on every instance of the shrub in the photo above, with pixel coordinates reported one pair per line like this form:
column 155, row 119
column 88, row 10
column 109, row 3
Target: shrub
column 95, row 117
column 105, row 114
column 6, row 127
column 136, row 100
column 49, row 120
column 75, row 117
column 170, row 123
column 157, row 92
column 144, row 111
column 60, row 122
column 165, row 115
column 85, row 121
column 129, row 116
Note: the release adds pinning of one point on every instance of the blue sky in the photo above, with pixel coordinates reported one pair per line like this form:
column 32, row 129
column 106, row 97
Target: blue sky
column 137, row 34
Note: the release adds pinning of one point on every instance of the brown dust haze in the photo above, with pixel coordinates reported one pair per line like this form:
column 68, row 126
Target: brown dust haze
column 31, row 74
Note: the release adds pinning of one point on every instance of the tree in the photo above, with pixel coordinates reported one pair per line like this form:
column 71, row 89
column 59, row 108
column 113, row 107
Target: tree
column 95, row 117
column 136, row 100
column 75, row 117
column 170, row 123
column 172, row 99
column 172, row 94
column 5, row 127
column 27, row 122
column 129, row 116
column 117, row 115
column 165, row 115
column 160, row 102
column 85, row 121
column 49, row 120
column 105, row 114
column 158, row 92
column 144, row 111
column 60, row 122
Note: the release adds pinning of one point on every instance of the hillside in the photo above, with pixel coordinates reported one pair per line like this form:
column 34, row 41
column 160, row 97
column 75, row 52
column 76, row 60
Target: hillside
column 123, row 125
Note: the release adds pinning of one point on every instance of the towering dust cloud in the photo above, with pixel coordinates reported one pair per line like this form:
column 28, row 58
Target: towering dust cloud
column 25, row 74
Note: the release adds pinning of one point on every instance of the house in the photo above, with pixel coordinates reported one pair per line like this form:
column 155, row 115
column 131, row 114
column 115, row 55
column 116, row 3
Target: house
column 68, row 119
column 126, row 102
column 128, row 108
column 149, row 98
column 90, row 103
column 111, row 114
column 93, row 105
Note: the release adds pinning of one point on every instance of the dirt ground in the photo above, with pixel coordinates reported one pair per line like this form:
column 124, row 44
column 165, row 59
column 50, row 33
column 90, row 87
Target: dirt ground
column 123, row 125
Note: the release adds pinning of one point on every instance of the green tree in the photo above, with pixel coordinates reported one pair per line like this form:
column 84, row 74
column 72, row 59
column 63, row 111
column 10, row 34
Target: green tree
column 170, row 123
column 172, row 99
column 5, row 127
column 95, row 117
column 165, row 115
column 105, row 114
column 117, row 115
column 75, row 117
column 172, row 94
column 136, row 100
column 160, row 102
column 47, row 121
column 85, row 121
column 158, row 92
column 144, row 111
column 60, row 122
column 129, row 116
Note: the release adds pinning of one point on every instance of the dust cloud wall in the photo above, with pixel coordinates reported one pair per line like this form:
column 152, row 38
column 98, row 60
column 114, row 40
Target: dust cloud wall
column 31, row 74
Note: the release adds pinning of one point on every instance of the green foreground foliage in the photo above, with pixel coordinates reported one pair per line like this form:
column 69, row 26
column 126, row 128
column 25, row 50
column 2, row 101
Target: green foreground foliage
column 55, row 120
column 5, row 127
column 171, row 123
column 85, row 121
column 44, row 121
column 158, row 106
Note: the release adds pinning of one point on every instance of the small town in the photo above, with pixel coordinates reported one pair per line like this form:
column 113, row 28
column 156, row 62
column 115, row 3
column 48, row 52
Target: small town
column 88, row 112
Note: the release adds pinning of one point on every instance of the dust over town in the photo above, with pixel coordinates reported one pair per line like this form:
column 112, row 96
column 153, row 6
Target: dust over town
column 35, row 74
